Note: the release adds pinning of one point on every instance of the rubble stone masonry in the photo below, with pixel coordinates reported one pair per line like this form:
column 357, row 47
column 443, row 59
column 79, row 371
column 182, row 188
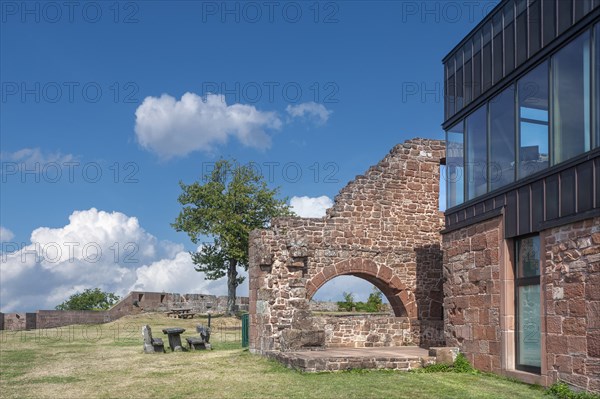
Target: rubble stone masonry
column 479, row 300
column 383, row 227
column 571, row 289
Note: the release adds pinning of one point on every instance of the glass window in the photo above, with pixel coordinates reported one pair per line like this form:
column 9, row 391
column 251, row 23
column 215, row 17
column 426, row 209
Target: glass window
column 502, row 139
column 582, row 7
column 450, row 96
column 476, row 162
column 487, row 66
column 549, row 20
column 528, row 311
column 535, row 26
column 533, row 121
column 571, row 100
column 467, row 73
column 487, row 57
column 528, row 255
column 498, row 47
column 459, row 89
column 509, row 48
column 565, row 15
column 522, row 37
column 468, row 82
column 498, row 60
column 597, row 88
column 458, row 102
column 477, row 74
column 455, row 171
column 450, row 84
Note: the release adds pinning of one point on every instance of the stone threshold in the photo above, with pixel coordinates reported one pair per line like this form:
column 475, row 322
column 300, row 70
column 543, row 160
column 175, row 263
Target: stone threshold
column 402, row 358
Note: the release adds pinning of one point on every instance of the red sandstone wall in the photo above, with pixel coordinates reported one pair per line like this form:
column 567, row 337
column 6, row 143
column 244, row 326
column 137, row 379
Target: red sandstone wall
column 479, row 301
column 571, row 284
column 14, row 321
column 472, row 292
column 59, row 318
column 383, row 227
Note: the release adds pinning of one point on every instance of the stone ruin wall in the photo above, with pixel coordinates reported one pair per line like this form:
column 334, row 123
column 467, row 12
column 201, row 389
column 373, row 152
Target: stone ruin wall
column 135, row 302
column 367, row 331
column 383, row 227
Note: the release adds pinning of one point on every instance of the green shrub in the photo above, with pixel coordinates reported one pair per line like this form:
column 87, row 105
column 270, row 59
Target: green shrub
column 560, row 390
column 460, row 365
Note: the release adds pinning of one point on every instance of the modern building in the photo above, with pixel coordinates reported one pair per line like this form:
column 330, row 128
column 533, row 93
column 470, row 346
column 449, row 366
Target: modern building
column 522, row 236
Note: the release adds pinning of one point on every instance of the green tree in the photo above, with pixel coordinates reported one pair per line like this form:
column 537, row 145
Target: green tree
column 375, row 301
column 233, row 201
column 348, row 303
column 89, row 300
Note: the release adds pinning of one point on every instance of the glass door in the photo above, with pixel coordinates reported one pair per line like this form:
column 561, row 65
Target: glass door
column 527, row 306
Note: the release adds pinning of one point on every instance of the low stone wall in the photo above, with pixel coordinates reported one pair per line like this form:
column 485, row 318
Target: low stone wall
column 372, row 330
column 337, row 363
column 59, row 318
column 323, row 306
column 134, row 303
column 367, row 331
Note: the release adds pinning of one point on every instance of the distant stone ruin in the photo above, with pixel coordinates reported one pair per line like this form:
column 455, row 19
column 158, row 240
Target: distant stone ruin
column 134, row 303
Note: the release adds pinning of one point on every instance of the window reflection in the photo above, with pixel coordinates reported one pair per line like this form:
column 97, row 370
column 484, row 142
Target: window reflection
column 571, row 82
column 597, row 80
column 553, row 115
column 533, row 121
column 502, row 139
column 455, row 184
column 476, row 153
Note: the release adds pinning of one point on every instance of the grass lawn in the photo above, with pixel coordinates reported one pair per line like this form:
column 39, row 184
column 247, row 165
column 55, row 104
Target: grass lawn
column 107, row 361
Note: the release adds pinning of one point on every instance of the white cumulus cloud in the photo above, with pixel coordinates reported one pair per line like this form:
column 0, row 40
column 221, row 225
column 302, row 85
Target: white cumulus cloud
column 171, row 127
column 317, row 113
column 109, row 250
column 310, row 207
column 5, row 234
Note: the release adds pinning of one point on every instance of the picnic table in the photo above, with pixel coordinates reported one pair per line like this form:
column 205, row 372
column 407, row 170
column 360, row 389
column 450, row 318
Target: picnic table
column 181, row 313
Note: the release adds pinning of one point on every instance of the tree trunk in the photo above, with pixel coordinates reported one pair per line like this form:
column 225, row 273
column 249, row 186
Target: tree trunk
column 231, row 287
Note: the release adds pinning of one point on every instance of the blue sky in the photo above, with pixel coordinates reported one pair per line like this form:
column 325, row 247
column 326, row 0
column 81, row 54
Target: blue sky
column 97, row 129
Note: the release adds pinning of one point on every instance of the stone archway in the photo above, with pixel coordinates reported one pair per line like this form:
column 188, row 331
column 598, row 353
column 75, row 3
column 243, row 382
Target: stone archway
column 401, row 299
column 384, row 227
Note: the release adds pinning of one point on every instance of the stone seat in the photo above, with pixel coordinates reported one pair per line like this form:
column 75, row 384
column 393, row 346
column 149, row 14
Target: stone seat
column 158, row 345
column 197, row 343
column 152, row 345
column 200, row 342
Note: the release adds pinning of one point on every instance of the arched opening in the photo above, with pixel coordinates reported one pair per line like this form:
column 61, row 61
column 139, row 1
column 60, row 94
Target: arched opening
column 364, row 325
column 349, row 293
column 393, row 288
column 389, row 293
